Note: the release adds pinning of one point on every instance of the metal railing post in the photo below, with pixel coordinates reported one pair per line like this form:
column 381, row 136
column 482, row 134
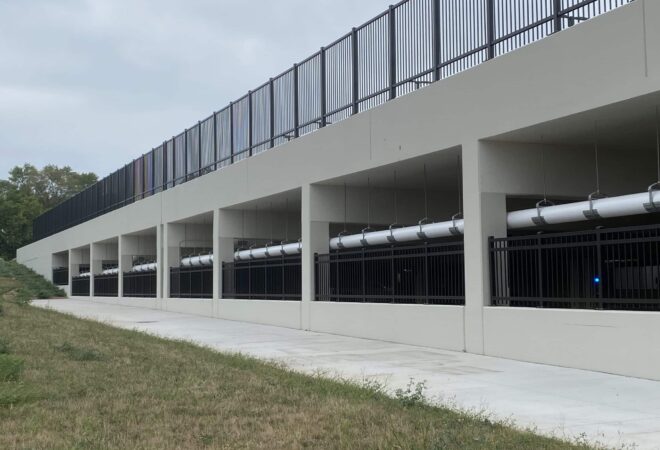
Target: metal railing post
column 539, row 270
column 391, row 16
column 215, row 141
column 355, row 95
column 490, row 28
column 250, row 123
column 271, row 89
column 231, row 132
column 296, row 117
column 556, row 12
column 435, row 24
column 600, row 267
column 185, row 154
column 322, row 86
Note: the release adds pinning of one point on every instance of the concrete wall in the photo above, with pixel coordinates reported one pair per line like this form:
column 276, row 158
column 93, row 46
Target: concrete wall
column 585, row 74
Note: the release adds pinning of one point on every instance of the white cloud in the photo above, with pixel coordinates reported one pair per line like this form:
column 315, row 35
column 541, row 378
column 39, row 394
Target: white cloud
column 95, row 83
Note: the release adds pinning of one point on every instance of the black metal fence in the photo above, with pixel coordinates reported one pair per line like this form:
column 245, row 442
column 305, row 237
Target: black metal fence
column 413, row 43
column 276, row 278
column 616, row 269
column 61, row 276
column 140, row 284
column 430, row 273
column 80, row 286
column 106, row 285
column 191, row 282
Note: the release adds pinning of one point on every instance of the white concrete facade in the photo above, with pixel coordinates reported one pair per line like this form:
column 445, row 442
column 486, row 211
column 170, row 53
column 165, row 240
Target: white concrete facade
column 498, row 117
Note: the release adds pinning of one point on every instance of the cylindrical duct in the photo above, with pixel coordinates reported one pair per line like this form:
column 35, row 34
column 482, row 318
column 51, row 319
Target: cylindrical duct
column 112, row 271
column 146, row 267
column 404, row 234
column 85, row 274
column 605, row 208
column 294, row 248
column 197, row 261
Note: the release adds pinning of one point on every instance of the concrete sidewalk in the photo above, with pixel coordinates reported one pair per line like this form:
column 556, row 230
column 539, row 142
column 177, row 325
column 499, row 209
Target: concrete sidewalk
column 607, row 409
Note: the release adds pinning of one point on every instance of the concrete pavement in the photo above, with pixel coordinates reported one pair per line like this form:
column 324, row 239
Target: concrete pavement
column 612, row 410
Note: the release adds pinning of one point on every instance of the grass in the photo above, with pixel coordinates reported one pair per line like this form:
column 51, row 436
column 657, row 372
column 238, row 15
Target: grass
column 87, row 385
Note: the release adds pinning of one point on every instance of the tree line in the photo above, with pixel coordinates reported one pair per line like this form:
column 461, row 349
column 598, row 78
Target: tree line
column 29, row 192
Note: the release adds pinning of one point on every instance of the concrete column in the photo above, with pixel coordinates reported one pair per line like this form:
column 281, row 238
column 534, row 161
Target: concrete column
column 485, row 215
column 160, row 273
column 227, row 227
column 174, row 234
column 315, row 239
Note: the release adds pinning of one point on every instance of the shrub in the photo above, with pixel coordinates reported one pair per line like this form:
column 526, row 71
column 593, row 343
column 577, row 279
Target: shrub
column 413, row 394
column 4, row 346
column 78, row 353
column 10, row 368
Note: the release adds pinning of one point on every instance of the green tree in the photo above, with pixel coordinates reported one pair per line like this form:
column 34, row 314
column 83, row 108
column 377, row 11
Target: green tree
column 29, row 192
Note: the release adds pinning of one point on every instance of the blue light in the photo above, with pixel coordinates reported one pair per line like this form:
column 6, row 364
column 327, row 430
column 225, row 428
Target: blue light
column 596, row 280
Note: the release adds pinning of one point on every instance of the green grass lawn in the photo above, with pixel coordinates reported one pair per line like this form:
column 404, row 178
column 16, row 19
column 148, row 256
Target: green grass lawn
column 71, row 383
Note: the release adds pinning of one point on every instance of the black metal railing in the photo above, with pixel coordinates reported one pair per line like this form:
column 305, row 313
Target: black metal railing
column 80, row 286
column 191, row 282
column 61, row 276
column 140, row 284
column 430, row 273
column 615, row 269
column 276, row 278
column 413, row 43
column 106, row 285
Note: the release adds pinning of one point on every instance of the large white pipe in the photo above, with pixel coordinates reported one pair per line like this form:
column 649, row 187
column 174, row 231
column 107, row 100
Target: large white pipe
column 605, row 208
column 113, row 271
column 596, row 208
column 84, row 274
column 403, row 234
column 197, row 261
column 294, row 248
column 146, row 267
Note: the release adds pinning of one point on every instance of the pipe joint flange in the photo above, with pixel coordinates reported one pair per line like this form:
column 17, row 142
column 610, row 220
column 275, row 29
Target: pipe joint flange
column 652, row 206
column 592, row 213
column 454, row 229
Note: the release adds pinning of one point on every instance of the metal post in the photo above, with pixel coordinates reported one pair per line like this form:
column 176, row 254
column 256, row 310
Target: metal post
column 364, row 284
column 173, row 161
column 435, row 15
column 600, row 268
column 539, row 262
column 199, row 147
column 272, row 112
column 556, row 12
column 490, row 27
column 165, row 163
column 185, row 154
column 249, row 123
column 354, row 64
column 392, row 47
column 296, row 117
column 323, row 87
column 231, row 132
column 153, row 171
column 215, row 141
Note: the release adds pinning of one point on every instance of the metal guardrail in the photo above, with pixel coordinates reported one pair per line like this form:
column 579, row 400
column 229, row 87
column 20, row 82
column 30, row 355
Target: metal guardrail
column 191, row 282
column 61, row 276
column 613, row 269
column 106, row 285
column 412, row 44
column 80, row 286
column 140, row 284
column 430, row 273
column 263, row 279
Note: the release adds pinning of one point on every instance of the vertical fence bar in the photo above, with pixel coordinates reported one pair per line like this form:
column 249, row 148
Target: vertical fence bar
column 185, row 154
column 556, row 12
column 435, row 45
column 231, row 132
column 539, row 270
column 600, row 267
column 165, row 165
column 296, row 106
column 271, row 125
column 392, row 51
column 250, row 123
column 354, row 70
column 322, row 86
column 199, row 147
column 215, row 141
column 490, row 27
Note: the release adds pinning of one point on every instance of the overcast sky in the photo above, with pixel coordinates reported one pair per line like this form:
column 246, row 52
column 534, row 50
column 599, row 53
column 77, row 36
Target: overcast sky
column 95, row 83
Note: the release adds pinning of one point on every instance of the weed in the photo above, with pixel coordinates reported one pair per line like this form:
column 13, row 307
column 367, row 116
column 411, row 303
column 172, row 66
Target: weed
column 4, row 346
column 78, row 353
column 10, row 368
column 413, row 394
column 12, row 394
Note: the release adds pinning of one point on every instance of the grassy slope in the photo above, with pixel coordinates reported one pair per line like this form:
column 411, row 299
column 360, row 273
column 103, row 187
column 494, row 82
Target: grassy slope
column 88, row 385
